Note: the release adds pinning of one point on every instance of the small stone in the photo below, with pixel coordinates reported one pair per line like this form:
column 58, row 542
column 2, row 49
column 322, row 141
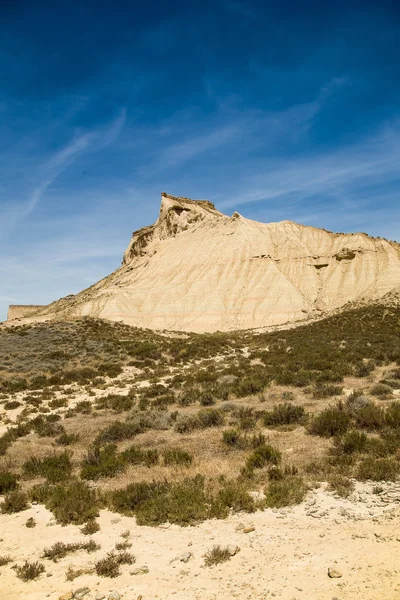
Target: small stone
column 334, row 573
column 115, row 521
column 240, row 527
column 67, row 596
column 114, row 596
column 99, row 596
column 185, row 557
column 233, row 549
column 81, row 593
column 140, row 570
column 248, row 529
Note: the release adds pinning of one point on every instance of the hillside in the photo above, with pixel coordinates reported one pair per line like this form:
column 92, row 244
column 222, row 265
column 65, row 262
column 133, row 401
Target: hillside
column 199, row 270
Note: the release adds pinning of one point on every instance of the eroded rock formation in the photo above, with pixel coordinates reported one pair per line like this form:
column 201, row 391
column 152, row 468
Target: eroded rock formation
column 197, row 269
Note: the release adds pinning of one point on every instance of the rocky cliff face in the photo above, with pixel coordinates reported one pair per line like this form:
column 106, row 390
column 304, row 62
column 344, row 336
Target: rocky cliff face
column 196, row 269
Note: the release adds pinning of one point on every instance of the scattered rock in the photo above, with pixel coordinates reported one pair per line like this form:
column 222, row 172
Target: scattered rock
column 248, row 529
column 233, row 549
column 99, row 596
column 115, row 521
column 140, row 570
column 240, row 527
column 114, row 596
column 185, row 557
column 67, row 596
column 334, row 573
column 81, row 593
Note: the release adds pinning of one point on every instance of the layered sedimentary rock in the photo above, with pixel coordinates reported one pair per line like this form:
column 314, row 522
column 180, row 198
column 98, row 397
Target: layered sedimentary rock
column 197, row 269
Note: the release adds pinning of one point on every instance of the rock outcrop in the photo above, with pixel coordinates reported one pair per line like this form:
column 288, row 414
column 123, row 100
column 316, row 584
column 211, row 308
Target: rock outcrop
column 197, row 269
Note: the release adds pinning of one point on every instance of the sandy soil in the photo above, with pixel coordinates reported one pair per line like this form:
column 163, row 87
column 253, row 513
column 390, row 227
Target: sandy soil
column 287, row 556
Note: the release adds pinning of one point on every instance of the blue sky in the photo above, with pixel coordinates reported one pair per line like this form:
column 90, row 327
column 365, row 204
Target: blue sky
column 286, row 110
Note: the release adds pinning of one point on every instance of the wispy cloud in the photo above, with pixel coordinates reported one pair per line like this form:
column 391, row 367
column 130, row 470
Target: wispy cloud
column 375, row 159
column 91, row 141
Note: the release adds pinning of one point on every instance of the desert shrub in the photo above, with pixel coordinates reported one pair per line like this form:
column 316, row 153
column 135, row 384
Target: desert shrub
column 45, row 427
column 392, row 415
column 8, row 482
column 284, row 414
column 352, row 441
column 378, row 469
column 342, row 485
column 331, row 421
column 285, row 492
column 174, row 456
column 115, row 402
column 102, row 462
column 58, row 403
column 210, row 417
column 232, row 495
column 30, row 523
column 246, row 418
column 60, row 550
column 216, row 555
column 355, row 401
column 4, row 560
column 90, row 527
column 54, row 468
column 84, row 407
column 380, row 389
column 263, row 455
column 66, row 439
column 136, row 456
column 30, row 571
column 248, row 386
column 119, row 431
column 206, row 398
column 109, row 566
column 231, row 437
column 325, row 390
column 14, row 501
column 11, row 404
column 74, row 502
column 370, row 417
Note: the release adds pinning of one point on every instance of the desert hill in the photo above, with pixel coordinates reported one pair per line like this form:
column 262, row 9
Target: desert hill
column 199, row 270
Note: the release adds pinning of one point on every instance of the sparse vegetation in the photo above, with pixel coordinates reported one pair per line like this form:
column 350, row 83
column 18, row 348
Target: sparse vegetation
column 30, row 571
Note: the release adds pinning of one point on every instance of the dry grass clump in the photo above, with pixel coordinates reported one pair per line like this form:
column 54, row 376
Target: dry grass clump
column 216, row 556
column 30, row 571
column 110, row 565
column 60, row 550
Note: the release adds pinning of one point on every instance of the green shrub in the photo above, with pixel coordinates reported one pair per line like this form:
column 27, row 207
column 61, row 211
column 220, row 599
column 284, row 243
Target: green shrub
column 342, row 485
column 119, row 431
column 90, row 527
column 102, row 462
column 284, row 414
column 30, row 571
column 331, row 421
column 174, row 456
column 136, row 456
column 115, row 402
column 370, row 417
column 8, row 482
column 380, row 389
column 233, row 495
column 353, row 441
column 231, row 437
column 378, row 469
column 14, row 501
column 55, row 468
column 74, row 502
column 325, row 390
column 263, row 455
column 285, row 492
column 393, row 415
column 66, row 439
column 210, row 417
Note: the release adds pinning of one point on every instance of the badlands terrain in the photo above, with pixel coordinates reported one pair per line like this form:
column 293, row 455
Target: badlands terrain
column 137, row 464
column 197, row 269
column 218, row 418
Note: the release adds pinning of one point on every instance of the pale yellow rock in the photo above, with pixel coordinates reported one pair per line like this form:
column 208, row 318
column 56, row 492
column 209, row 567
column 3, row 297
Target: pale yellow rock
column 198, row 270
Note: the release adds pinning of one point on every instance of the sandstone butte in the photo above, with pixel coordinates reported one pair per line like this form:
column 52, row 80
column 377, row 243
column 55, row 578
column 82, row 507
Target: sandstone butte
column 199, row 270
